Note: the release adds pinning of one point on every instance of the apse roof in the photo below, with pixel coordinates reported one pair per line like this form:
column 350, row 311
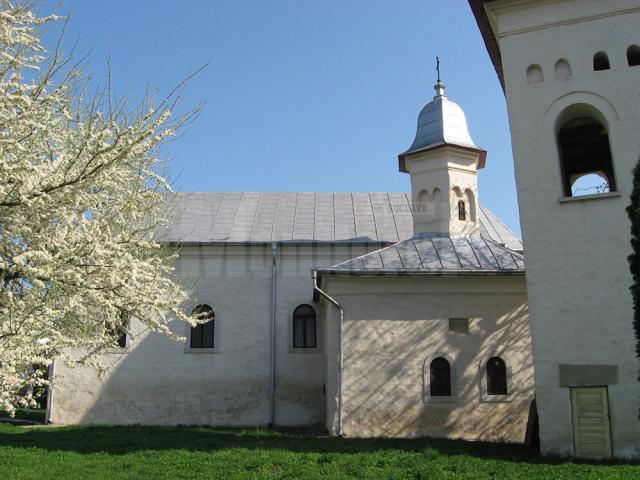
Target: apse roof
column 435, row 253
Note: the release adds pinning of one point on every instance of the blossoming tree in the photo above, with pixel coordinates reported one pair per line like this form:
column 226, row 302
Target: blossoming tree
column 81, row 207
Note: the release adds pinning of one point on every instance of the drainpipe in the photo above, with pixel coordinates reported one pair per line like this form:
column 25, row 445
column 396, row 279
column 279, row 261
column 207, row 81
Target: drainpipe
column 274, row 290
column 49, row 411
column 331, row 300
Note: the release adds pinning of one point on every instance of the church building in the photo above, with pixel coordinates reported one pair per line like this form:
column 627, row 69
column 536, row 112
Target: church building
column 372, row 314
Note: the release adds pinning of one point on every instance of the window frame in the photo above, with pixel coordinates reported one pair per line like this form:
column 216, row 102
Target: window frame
column 502, row 369
column 292, row 329
column 512, row 386
column 216, row 337
column 462, row 211
column 119, row 349
column 568, row 115
column 319, row 329
column 426, row 380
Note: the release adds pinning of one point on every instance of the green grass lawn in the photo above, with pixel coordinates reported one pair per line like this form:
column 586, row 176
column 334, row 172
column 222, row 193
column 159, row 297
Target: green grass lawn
column 31, row 414
column 87, row 452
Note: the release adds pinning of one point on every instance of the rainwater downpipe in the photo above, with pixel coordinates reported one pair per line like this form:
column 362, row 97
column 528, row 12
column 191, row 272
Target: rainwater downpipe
column 49, row 410
column 331, row 300
column 274, row 297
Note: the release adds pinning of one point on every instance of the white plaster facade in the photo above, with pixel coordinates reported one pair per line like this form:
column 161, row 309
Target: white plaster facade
column 159, row 381
column 395, row 326
column 577, row 273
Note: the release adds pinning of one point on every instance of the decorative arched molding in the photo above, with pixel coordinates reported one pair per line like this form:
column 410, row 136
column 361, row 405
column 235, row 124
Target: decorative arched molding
column 426, row 381
column 563, row 69
column 596, row 104
column 584, row 126
column 482, row 370
column 471, row 202
column 534, row 74
column 423, row 196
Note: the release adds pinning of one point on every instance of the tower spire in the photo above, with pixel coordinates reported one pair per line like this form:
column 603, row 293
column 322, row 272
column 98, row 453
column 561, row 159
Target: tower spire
column 439, row 86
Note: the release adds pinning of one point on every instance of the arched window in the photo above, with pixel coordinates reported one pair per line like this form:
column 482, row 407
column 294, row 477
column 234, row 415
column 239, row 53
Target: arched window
column 202, row 335
column 633, row 55
column 496, row 376
column 462, row 211
column 601, row 61
column 118, row 331
column 585, row 154
column 304, row 327
column 124, row 326
column 440, row 378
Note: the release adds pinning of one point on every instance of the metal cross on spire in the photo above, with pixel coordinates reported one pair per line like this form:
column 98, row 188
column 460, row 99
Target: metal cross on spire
column 439, row 86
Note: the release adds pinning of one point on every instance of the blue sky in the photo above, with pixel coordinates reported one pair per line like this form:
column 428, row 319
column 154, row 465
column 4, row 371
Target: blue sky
column 301, row 95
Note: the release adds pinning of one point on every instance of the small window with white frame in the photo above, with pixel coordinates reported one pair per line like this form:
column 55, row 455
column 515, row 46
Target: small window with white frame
column 439, row 379
column 495, row 373
column 304, row 327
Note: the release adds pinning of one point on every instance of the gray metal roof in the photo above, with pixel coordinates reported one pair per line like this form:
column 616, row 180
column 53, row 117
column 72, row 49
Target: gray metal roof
column 300, row 217
column 435, row 253
column 441, row 122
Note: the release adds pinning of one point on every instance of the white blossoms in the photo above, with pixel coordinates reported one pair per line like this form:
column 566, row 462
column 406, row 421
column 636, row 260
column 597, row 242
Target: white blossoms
column 80, row 205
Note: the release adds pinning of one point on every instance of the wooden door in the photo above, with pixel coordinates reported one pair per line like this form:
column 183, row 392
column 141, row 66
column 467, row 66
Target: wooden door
column 591, row 430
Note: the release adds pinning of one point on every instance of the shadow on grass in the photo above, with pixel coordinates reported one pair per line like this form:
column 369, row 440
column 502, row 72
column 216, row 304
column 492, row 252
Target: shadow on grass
column 120, row 440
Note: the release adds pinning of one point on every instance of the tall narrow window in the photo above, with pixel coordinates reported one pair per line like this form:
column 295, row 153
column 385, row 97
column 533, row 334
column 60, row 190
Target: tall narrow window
column 587, row 166
column 202, row 334
column 122, row 331
column 440, row 378
column 118, row 332
column 462, row 211
column 304, row 327
column 633, row 55
column 601, row 61
column 496, row 376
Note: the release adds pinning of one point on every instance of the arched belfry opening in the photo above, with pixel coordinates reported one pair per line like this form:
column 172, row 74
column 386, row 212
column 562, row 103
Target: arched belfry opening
column 585, row 156
column 633, row 56
column 601, row 61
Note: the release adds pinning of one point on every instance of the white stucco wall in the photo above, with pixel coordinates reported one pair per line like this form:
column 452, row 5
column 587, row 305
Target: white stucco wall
column 576, row 251
column 439, row 179
column 158, row 382
column 394, row 325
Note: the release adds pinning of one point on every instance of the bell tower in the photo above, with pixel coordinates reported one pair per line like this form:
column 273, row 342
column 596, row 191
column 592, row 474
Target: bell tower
column 570, row 70
column 443, row 163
